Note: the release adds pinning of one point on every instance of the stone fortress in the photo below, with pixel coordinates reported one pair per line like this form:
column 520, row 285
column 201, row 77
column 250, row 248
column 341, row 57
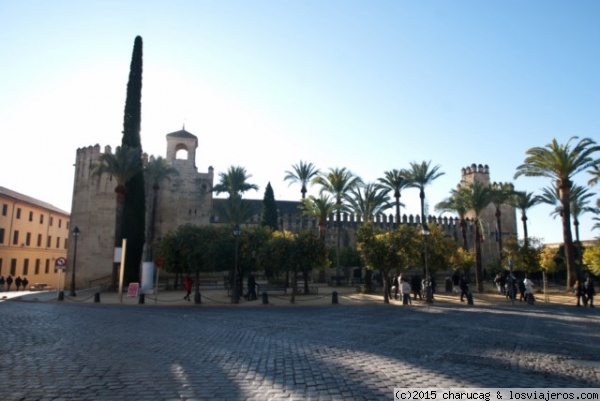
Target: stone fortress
column 188, row 199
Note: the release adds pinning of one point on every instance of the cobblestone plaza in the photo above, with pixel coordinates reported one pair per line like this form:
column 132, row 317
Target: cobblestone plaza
column 83, row 351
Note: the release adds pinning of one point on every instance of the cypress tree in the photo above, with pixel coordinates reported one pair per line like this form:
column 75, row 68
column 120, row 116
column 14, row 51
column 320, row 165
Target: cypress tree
column 135, row 200
column 269, row 209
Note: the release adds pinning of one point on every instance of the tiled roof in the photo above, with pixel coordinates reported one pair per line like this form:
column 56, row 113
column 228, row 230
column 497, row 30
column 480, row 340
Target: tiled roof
column 182, row 134
column 32, row 201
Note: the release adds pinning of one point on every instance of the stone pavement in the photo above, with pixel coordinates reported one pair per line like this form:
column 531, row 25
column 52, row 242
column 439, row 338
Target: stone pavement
column 359, row 349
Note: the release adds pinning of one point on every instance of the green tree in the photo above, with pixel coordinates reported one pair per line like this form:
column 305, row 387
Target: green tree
column 457, row 203
column 524, row 258
column 302, row 173
column 269, row 209
column 134, row 211
column 157, row 170
column 338, row 182
column 419, row 176
column 479, row 196
column 368, row 200
column 501, row 195
column 387, row 251
column 307, row 253
column 396, row 180
column 591, row 257
column 524, row 201
column 320, row 208
column 122, row 165
column 560, row 162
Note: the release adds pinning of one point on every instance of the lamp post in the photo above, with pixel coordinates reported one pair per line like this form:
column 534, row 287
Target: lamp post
column 235, row 297
column 76, row 234
column 428, row 290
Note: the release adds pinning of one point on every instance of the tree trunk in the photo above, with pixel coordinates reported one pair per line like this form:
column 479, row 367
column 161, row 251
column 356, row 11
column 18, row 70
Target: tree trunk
column 565, row 195
column 478, row 261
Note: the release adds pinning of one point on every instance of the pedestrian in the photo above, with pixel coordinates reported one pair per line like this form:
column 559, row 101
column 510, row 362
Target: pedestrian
column 455, row 282
column 433, row 285
column 589, row 290
column 511, row 287
column 187, row 284
column 396, row 286
column 251, row 287
column 579, row 293
column 464, row 287
column 2, row 283
column 24, row 283
column 528, row 291
column 415, row 286
column 405, row 289
column 9, row 281
column 18, row 282
column 521, row 285
column 498, row 282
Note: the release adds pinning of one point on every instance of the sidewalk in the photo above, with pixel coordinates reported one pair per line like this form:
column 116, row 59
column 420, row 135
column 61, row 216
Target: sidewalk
column 217, row 297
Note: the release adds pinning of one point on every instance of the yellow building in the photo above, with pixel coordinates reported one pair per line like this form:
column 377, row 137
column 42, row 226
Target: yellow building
column 33, row 235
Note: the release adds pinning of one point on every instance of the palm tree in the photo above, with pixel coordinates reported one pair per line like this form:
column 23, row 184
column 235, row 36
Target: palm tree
column 457, row 202
column 396, row 180
column 560, row 162
column 579, row 205
column 524, row 201
column 234, row 182
column 320, row 208
column 595, row 172
column 157, row 170
column 122, row 165
column 368, row 200
column 478, row 197
column 501, row 196
column 420, row 175
column 338, row 182
column 302, row 173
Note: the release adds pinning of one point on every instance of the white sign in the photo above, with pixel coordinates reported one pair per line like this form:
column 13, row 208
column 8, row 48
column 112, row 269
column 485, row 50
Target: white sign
column 60, row 264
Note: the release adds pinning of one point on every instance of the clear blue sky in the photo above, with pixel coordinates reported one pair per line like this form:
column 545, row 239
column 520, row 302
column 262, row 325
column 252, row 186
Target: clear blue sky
column 367, row 85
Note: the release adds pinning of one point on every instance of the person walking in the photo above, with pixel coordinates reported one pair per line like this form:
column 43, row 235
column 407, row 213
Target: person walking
column 464, row 287
column 528, row 290
column 251, row 287
column 187, row 284
column 415, row 285
column 2, row 281
column 24, row 283
column 18, row 283
column 590, row 291
column 9, row 281
column 405, row 289
column 579, row 293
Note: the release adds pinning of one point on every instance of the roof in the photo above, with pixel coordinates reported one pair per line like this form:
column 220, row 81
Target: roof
column 182, row 134
column 32, row 201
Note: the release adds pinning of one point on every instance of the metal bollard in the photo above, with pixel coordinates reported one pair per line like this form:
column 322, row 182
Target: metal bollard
column 197, row 298
column 334, row 297
column 265, row 298
column 141, row 298
column 61, row 296
column 97, row 298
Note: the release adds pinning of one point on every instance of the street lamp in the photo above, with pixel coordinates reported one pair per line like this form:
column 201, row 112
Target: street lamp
column 235, row 296
column 76, row 234
column 428, row 290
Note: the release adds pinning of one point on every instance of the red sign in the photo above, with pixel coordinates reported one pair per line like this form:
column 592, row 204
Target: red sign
column 132, row 289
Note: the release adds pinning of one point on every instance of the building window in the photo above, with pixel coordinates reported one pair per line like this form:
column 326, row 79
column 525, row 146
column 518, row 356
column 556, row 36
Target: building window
column 4, row 209
column 16, row 238
column 66, row 243
column 37, row 267
column 41, row 218
column 59, row 223
column 26, row 267
column 57, row 242
column 1, row 236
column 18, row 213
column 28, row 239
column 51, row 221
column 39, row 243
column 13, row 267
column 30, row 216
column 49, row 242
column 47, row 268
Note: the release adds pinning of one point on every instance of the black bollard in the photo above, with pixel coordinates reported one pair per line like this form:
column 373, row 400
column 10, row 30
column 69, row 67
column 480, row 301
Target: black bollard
column 197, row 298
column 61, row 296
column 97, row 298
column 334, row 297
column 265, row 297
column 141, row 298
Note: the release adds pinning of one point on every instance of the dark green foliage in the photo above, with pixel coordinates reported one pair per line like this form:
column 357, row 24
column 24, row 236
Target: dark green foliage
column 269, row 209
column 134, row 213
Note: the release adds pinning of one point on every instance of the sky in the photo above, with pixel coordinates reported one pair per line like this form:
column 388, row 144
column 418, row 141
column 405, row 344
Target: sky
column 264, row 84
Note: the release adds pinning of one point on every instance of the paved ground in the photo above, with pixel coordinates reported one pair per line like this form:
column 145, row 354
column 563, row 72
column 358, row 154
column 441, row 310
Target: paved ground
column 360, row 349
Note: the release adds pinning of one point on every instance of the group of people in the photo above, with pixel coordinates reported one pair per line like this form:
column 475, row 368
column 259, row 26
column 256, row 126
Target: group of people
column 19, row 282
column 508, row 285
column 585, row 292
column 401, row 287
